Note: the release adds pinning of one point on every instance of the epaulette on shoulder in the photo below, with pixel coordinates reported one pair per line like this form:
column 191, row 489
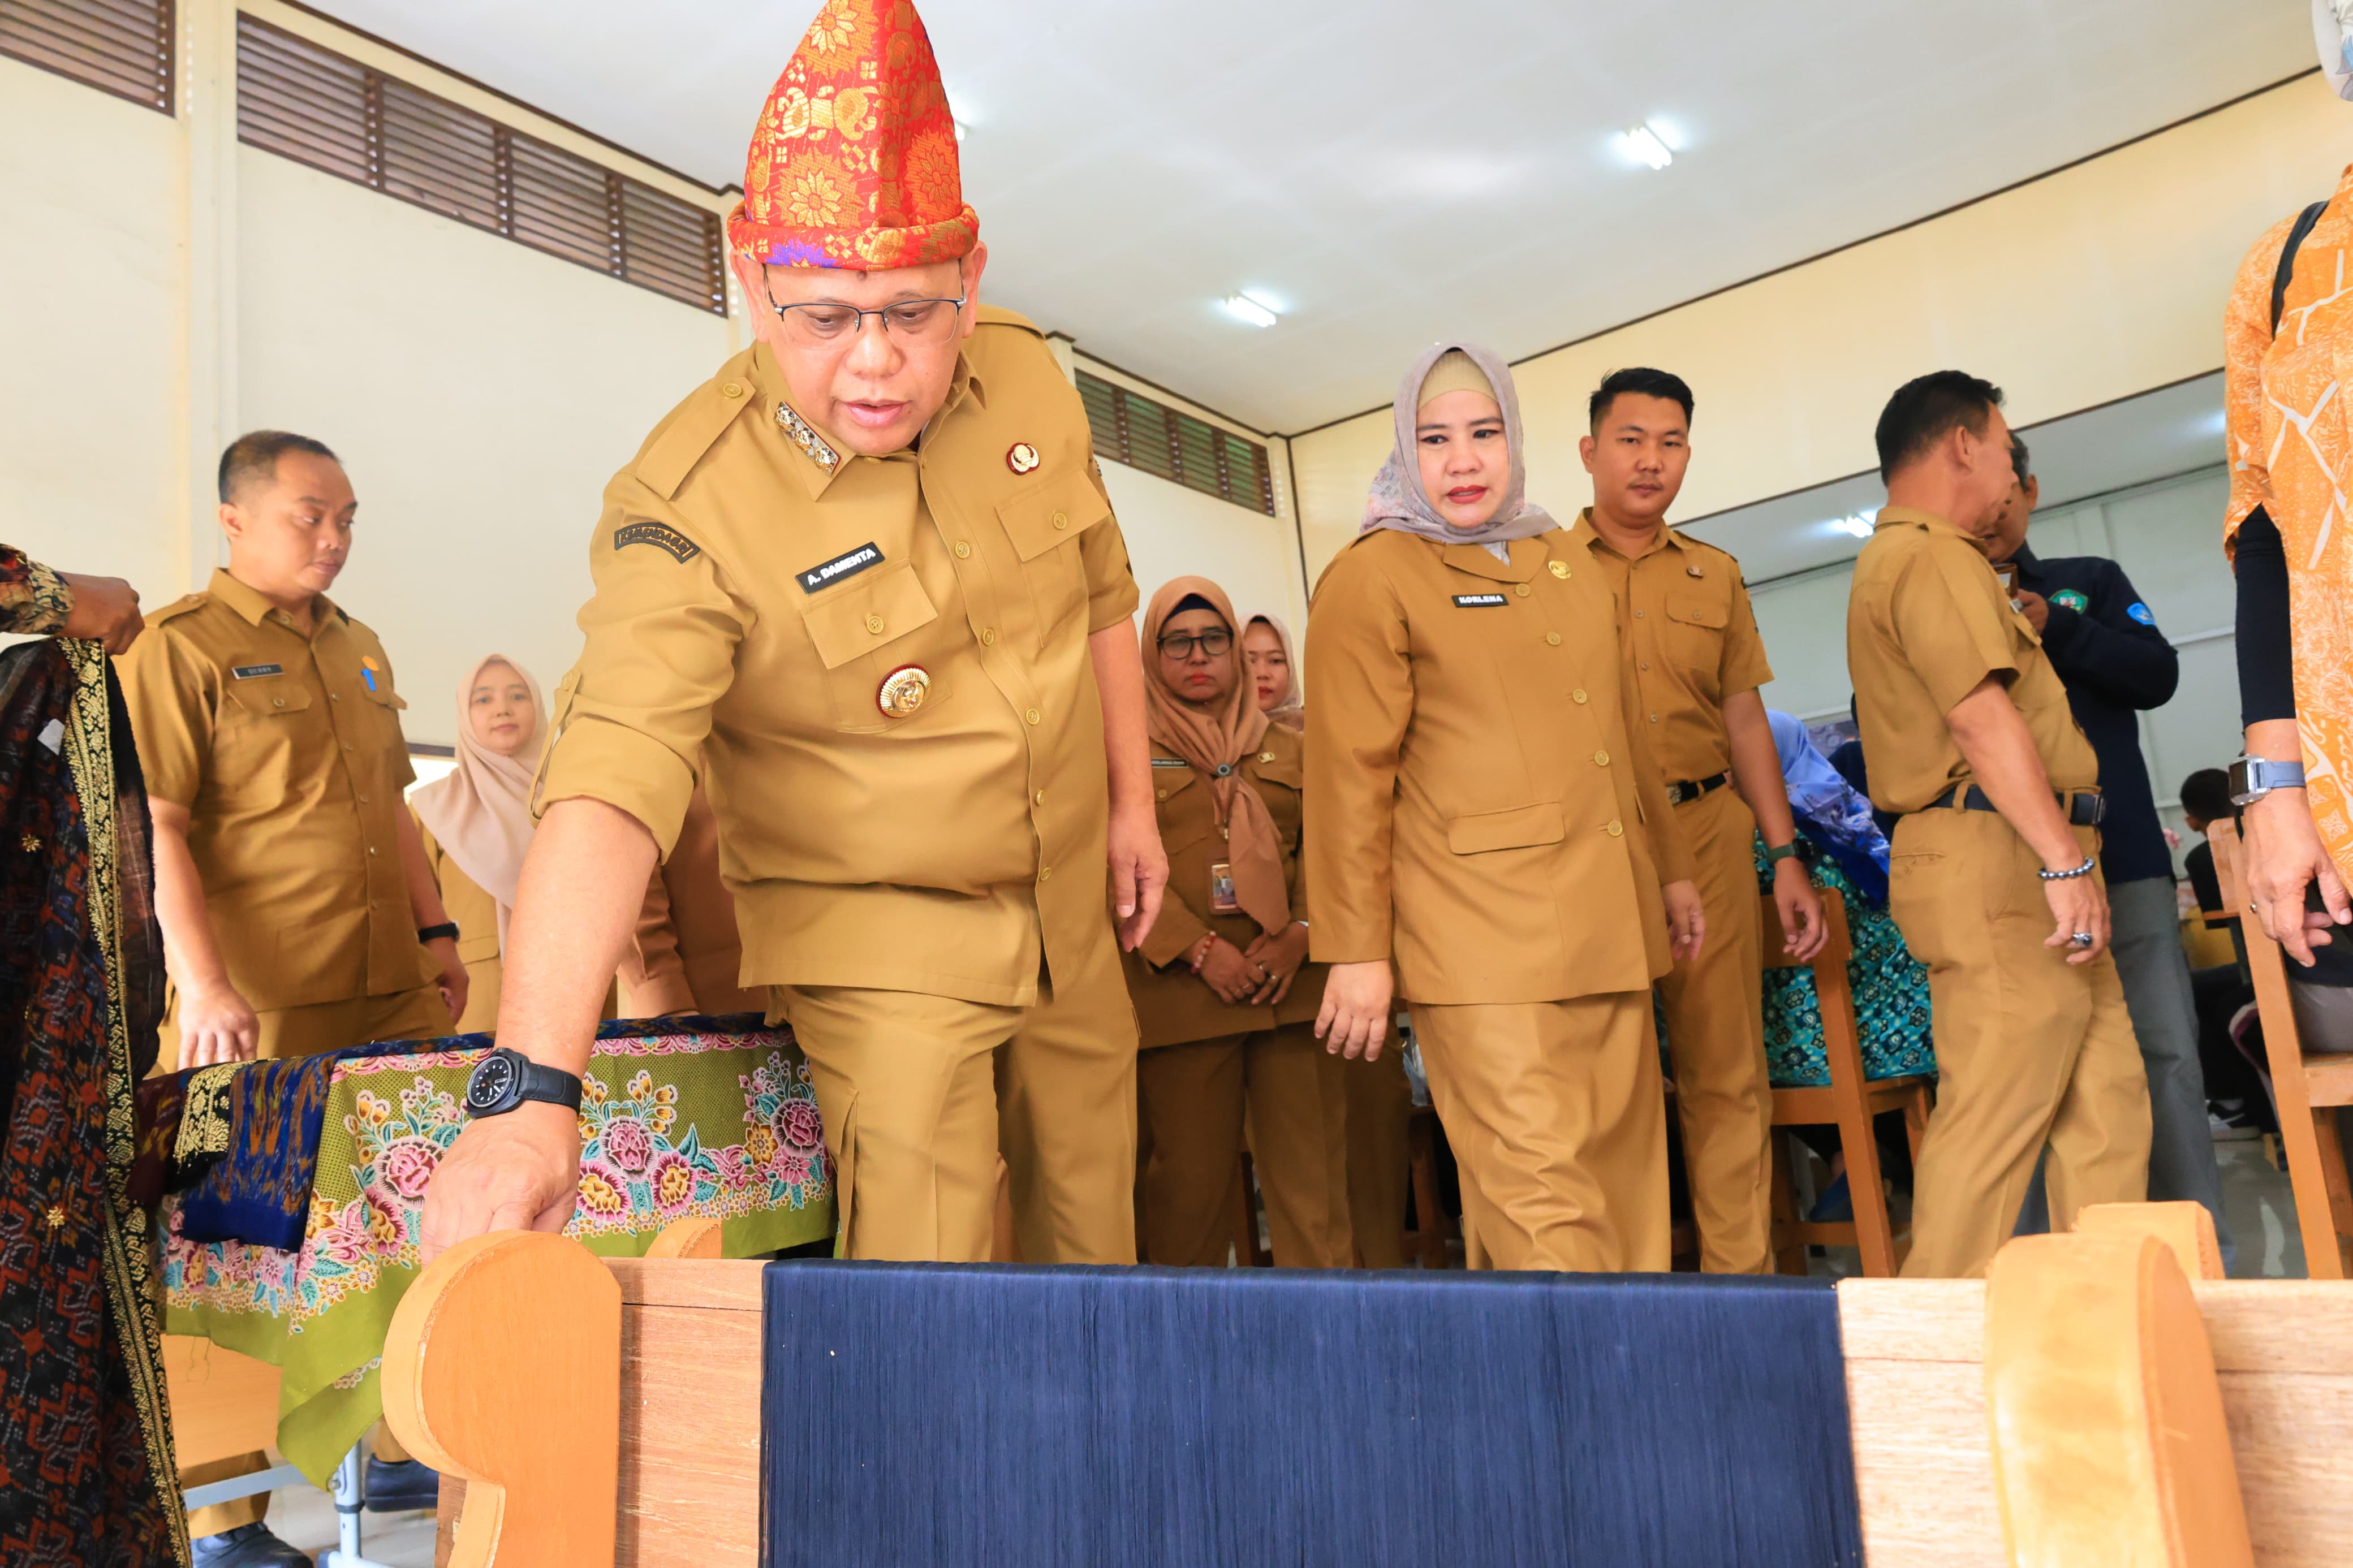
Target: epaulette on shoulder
column 693, row 428
column 1704, row 546
column 178, row 607
column 998, row 316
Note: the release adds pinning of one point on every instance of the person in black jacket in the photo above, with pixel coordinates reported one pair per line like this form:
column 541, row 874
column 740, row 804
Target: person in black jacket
column 2103, row 640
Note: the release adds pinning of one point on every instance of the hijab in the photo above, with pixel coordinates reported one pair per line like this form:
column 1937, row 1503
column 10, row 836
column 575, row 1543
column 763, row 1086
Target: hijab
column 1397, row 499
column 1215, row 742
column 1291, row 711
column 481, row 812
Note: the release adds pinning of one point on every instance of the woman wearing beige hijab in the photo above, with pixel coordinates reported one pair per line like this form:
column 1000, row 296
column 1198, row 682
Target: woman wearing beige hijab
column 1272, row 659
column 476, row 821
column 1223, row 994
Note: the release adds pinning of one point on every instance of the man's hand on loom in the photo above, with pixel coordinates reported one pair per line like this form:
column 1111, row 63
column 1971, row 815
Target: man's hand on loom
column 516, row 1172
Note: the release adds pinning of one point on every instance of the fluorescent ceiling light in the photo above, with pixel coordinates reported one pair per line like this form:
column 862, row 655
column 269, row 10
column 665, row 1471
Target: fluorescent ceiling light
column 1250, row 307
column 1857, row 525
column 1645, row 145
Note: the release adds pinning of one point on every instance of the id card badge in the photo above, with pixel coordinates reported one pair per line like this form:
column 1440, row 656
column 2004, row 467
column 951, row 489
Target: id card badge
column 1221, row 889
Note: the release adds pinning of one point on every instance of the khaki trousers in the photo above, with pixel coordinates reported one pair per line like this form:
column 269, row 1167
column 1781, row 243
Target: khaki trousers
column 1716, row 1044
column 302, row 1032
column 1379, row 1106
column 1190, row 1104
column 919, row 1094
column 2030, row 1049
column 1559, row 1123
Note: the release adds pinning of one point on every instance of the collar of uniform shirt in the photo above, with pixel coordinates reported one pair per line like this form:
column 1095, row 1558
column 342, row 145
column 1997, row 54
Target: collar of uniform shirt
column 1918, row 519
column 769, row 377
column 1585, row 533
column 256, row 608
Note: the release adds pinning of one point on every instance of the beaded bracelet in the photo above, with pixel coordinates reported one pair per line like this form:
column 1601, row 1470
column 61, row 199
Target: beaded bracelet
column 2083, row 870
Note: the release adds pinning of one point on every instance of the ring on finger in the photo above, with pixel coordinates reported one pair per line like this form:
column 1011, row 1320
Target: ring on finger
column 2082, row 938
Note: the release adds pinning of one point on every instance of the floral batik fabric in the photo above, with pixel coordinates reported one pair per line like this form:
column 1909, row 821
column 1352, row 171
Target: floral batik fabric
column 2291, row 449
column 86, row 1471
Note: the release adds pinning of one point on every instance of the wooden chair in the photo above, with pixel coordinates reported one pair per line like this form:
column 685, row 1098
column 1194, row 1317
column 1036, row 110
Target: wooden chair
column 1849, row 1103
column 1435, row 1240
column 2307, row 1089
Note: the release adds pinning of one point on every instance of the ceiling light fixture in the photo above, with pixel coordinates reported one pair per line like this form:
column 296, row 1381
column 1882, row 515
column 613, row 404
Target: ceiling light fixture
column 959, row 128
column 1645, row 145
column 1251, row 308
column 1857, row 525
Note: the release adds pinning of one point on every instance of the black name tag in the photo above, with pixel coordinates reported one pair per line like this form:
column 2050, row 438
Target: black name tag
column 1170, row 763
column 826, row 573
column 255, row 671
column 1480, row 601
column 660, row 535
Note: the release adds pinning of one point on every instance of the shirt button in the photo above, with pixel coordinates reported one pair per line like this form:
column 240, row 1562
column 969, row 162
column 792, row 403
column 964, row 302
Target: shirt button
column 733, row 389
column 1600, row 759
column 1061, row 520
column 1553, row 638
column 1033, row 716
column 1577, row 695
column 1040, row 798
column 1646, row 664
column 964, row 551
column 1045, row 872
column 1266, row 756
column 1521, row 589
column 1654, row 718
column 874, row 624
column 1638, row 614
column 987, row 635
column 349, row 747
column 1160, row 795
column 370, row 849
column 335, row 697
column 1615, row 828
column 278, row 702
column 363, row 800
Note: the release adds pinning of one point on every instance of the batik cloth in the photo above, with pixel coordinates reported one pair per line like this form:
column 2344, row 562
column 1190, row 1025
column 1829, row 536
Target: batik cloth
column 86, row 1471
column 34, row 600
column 1890, row 988
column 679, row 1119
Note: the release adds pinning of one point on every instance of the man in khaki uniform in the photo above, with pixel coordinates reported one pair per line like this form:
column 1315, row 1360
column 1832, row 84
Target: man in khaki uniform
column 1972, row 745
column 866, row 584
column 299, row 913
column 1488, row 814
column 1698, row 662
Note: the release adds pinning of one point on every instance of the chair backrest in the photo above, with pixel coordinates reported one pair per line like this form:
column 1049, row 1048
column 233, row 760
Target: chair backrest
column 1835, row 954
column 1833, row 996
column 2281, row 1044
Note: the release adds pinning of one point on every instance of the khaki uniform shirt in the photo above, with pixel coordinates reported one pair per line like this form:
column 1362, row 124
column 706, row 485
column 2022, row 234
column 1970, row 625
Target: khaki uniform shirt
column 1483, row 809
column 467, row 902
column 1688, row 623
column 287, row 752
column 1926, row 620
column 686, row 954
column 1172, row 1004
column 755, row 589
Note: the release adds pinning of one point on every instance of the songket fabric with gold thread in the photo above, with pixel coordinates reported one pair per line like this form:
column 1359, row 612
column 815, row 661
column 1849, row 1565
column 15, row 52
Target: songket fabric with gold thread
column 679, row 1119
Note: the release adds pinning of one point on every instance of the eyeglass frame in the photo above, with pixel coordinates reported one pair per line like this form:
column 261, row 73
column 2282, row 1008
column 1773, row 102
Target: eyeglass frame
column 857, row 328
column 1193, row 640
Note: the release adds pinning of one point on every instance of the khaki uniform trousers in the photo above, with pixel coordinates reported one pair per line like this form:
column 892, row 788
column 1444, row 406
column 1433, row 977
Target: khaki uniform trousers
column 919, row 1094
column 1558, row 1122
column 302, row 1032
column 1190, row 1101
column 1716, row 1045
column 2031, row 1050
column 1379, row 1106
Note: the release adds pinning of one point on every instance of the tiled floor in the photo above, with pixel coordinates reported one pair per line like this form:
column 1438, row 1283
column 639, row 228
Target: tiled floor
column 304, row 1517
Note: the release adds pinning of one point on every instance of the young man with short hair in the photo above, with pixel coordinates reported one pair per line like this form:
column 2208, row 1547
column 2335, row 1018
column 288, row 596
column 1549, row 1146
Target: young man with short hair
column 1994, row 882
column 1684, row 617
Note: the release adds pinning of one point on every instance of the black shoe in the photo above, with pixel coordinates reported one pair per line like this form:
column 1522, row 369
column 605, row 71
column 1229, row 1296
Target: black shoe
column 247, row 1546
column 399, row 1485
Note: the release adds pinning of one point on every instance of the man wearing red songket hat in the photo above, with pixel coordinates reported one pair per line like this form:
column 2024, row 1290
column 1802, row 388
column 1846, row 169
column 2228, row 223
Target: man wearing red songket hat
column 866, row 584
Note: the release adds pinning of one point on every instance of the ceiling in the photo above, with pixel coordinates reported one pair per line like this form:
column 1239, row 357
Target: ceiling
column 2172, row 430
column 1388, row 171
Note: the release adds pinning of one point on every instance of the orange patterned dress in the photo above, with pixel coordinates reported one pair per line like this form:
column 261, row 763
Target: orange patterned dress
column 2291, row 448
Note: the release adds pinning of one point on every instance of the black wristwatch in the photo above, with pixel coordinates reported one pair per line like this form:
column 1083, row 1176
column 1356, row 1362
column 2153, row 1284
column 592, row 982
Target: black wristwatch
column 505, row 1080
column 434, row 933
column 1774, row 854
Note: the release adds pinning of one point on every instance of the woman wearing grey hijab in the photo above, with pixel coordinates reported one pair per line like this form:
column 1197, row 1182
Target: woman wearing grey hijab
column 1491, row 825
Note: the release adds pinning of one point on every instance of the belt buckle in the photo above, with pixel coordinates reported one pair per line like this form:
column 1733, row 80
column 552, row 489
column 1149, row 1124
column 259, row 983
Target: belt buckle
column 1675, row 794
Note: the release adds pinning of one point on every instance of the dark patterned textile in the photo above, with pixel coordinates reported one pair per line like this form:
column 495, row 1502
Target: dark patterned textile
column 33, row 599
column 86, row 1475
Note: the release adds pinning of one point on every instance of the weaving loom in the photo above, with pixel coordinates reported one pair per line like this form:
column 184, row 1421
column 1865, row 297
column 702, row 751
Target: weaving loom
column 673, row 1409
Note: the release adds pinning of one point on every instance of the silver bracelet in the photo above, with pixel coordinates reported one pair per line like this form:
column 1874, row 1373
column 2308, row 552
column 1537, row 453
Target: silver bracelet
column 2083, row 870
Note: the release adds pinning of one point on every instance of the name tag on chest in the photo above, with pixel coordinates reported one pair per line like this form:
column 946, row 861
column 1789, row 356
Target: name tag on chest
column 1480, row 601
column 824, row 573
column 255, row 671
column 1170, row 763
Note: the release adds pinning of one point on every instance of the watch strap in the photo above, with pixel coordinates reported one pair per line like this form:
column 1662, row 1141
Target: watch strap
column 1779, row 852
column 434, row 933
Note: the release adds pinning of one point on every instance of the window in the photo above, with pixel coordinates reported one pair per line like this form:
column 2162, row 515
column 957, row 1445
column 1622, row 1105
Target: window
column 122, row 47
column 307, row 102
column 1149, row 435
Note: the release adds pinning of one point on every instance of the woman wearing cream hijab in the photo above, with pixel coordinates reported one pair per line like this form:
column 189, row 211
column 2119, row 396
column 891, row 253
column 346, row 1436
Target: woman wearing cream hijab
column 1272, row 660
column 1490, row 828
column 475, row 821
column 1223, row 994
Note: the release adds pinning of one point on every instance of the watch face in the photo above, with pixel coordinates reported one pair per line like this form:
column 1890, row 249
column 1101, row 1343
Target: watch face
column 492, row 1085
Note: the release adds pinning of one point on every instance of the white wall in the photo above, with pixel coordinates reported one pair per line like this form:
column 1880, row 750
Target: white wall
column 1174, row 531
column 2167, row 536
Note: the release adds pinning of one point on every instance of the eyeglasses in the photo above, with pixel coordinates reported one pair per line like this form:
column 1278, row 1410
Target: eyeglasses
column 908, row 321
column 1179, row 645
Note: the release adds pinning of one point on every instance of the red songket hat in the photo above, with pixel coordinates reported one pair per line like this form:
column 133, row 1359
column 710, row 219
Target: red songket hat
column 854, row 162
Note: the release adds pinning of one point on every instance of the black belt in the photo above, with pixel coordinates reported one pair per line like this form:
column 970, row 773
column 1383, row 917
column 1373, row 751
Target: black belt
column 1691, row 789
column 2084, row 807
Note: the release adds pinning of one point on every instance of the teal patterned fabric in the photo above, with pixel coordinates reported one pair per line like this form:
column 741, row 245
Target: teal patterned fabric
column 1890, row 986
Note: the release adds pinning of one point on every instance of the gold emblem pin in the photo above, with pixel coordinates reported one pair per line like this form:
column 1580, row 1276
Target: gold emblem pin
column 1022, row 458
column 903, row 690
column 1558, row 568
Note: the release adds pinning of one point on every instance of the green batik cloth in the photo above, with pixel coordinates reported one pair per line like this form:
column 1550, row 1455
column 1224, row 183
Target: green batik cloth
column 1890, row 988
column 682, row 1126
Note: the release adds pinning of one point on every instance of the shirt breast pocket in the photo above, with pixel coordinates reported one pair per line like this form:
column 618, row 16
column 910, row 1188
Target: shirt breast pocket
column 265, row 738
column 861, row 630
column 1696, row 623
column 1044, row 523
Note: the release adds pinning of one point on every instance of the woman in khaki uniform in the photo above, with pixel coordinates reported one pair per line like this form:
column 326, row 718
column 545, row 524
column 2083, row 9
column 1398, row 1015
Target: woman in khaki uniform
column 1488, row 819
column 476, row 821
column 1224, row 996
